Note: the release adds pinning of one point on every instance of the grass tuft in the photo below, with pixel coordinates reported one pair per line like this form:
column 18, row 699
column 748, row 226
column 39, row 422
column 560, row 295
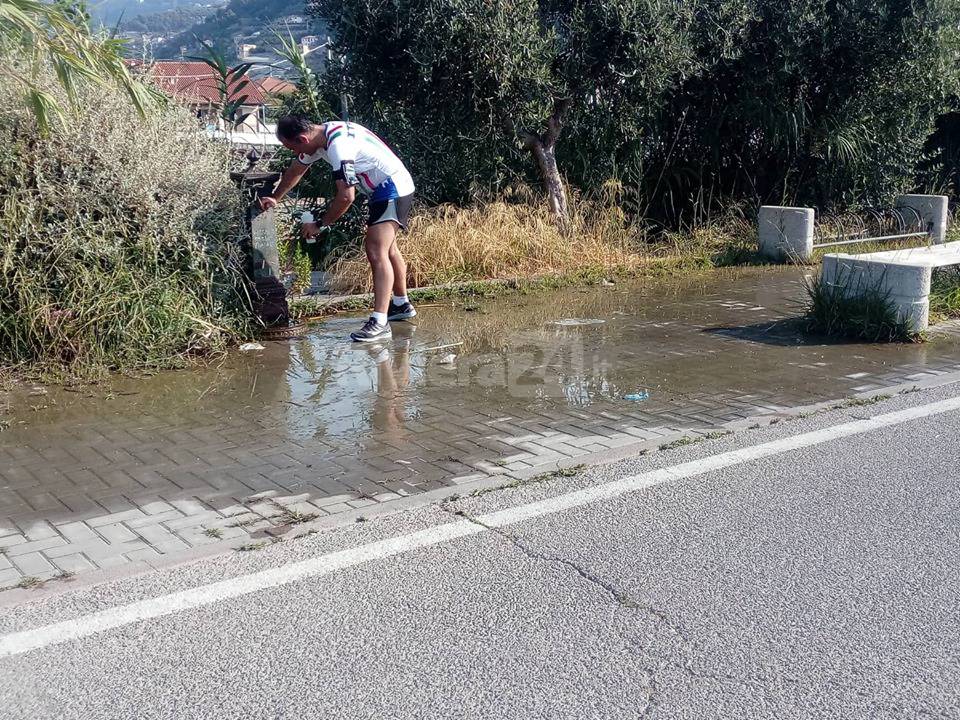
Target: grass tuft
column 945, row 294
column 869, row 316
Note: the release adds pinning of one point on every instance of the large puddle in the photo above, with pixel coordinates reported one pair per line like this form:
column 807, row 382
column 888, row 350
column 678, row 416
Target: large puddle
column 720, row 333
column 458, row 387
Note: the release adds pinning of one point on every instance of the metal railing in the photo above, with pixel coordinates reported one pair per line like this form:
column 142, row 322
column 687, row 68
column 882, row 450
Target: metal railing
column 871, row 225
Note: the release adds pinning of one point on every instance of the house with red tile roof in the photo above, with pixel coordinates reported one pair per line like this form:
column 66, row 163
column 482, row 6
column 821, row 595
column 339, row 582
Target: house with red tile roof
column 196, row 85
column 274, row 89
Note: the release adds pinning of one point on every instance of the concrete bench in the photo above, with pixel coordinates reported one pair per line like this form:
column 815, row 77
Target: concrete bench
column 902, row 276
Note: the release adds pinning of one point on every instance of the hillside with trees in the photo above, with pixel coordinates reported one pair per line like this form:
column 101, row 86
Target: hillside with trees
column 176, row 20
column 237, row 18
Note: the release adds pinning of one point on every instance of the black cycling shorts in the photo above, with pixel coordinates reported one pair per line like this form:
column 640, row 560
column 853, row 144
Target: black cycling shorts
column 396, row 210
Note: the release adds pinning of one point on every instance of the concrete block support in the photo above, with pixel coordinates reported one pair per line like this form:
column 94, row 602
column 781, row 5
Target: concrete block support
column 933, row 212
column 786, row 233
column 905, row 286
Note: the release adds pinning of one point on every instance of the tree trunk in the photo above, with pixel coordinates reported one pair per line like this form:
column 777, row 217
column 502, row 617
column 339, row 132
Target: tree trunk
column 546, row 159
column 543, row 149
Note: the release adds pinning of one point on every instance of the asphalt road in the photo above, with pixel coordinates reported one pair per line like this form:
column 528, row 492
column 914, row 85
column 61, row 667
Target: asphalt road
column 821, row 581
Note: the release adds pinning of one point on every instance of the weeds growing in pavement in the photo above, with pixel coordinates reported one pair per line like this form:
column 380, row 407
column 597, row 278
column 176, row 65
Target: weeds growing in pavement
column 859, row 402
column 252, row 546
column 293, row 517
column 678, row 443
column 542, row 477
column 289, row 516
column 694, row 439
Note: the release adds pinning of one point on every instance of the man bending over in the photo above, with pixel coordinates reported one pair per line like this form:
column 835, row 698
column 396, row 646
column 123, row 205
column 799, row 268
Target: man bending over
column 359, row 159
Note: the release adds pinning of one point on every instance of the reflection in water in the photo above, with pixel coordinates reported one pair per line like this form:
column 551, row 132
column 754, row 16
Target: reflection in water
column 393, row 377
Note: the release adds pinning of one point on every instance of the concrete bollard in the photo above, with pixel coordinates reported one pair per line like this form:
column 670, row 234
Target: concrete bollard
column 786, row 233
column 933, row 212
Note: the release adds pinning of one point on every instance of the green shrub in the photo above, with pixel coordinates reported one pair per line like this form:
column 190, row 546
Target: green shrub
column 118, row 243
column 694, row 104
column 945, row 294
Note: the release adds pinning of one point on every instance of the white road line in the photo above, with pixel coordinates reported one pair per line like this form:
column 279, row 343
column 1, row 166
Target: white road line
column 84, row 626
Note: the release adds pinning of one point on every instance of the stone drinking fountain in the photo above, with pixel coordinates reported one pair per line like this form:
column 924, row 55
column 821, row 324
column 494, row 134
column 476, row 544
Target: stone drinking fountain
column 267, row 291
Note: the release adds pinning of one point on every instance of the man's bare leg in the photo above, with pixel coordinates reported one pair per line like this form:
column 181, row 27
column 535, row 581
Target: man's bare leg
column 400, row 306
column 399, row 270
column 379, row 241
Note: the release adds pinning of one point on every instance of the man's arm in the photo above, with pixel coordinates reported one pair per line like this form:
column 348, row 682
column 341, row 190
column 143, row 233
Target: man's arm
column 290, row 178
column 340, row 204
column 335, row 210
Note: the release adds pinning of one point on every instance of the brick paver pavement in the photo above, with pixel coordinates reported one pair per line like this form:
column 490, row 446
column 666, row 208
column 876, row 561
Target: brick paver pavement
column 143, row 470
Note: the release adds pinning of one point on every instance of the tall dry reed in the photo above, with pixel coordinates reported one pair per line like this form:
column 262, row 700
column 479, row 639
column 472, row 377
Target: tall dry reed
column 516, row 237
column 500, row 239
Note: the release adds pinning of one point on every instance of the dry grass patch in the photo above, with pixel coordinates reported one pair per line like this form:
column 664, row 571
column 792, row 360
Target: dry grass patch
column 518, row 238
column 499, row 240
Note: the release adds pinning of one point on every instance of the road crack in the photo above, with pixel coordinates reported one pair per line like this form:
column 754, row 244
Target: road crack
column 620, row 597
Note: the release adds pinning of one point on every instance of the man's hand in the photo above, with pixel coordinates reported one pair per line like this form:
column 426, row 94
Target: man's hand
column 312, row 229
column 291, row 177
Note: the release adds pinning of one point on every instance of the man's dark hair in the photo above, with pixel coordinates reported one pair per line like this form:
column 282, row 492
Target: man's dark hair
column 290, row 126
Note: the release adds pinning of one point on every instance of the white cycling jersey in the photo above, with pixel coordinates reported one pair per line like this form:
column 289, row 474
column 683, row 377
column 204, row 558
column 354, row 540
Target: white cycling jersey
column 360, row 158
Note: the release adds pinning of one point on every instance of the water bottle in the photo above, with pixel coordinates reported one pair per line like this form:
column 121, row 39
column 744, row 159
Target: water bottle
column 307, row 217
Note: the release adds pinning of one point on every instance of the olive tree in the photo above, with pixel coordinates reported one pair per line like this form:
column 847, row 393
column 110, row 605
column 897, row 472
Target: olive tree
column 468, row 86
column 693, row 103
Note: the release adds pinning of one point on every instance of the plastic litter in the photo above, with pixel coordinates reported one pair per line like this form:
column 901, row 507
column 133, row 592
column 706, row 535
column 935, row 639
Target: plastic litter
column 637, row 396
column 574, row 322
column 448, row 359
column 438, row 347
column 247, row 347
